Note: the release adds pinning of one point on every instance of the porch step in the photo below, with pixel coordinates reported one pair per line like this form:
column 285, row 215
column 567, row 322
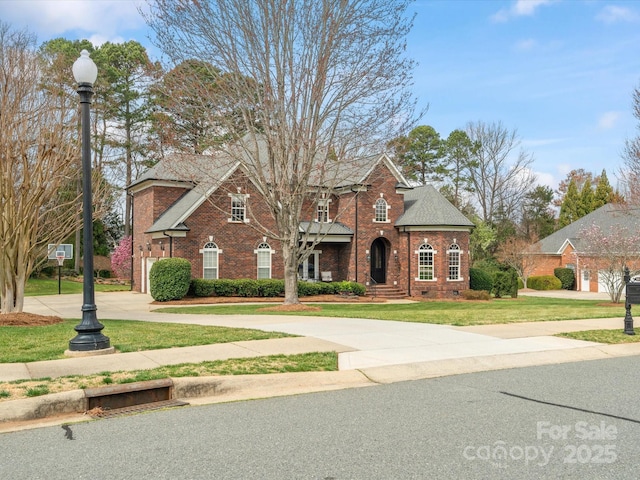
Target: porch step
column 385, row 291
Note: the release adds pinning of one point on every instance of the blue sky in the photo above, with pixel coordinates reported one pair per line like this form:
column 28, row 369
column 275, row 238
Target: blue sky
column 560, row 72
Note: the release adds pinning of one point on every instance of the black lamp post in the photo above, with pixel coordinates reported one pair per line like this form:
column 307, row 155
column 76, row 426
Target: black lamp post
column 89, row 336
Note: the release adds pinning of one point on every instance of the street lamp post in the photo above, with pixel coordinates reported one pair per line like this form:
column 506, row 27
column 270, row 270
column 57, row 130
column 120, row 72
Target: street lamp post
column 89, row 337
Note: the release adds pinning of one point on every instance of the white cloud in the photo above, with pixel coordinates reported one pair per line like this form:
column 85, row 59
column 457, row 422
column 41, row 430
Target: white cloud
column 564, row 169
column 542, row 142
column 608, row 120
column 100, row 19
column 547, row 179
column 613, row 14
column 525, row 45
column 519, row 8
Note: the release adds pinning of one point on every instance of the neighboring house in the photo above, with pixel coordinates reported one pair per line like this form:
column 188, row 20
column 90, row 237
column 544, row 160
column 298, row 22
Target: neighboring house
column 375, row 229
column 565, row 248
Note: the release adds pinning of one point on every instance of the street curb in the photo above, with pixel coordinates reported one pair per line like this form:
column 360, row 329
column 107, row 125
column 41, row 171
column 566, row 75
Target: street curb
column 194, row 390
column 218, row 389
column 42, row 407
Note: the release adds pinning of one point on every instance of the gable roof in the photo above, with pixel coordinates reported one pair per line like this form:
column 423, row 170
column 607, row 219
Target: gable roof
column 606, row 217
column 425, row 206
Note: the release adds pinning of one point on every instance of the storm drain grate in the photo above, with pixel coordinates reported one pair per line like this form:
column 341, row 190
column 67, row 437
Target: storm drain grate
column 99, row 412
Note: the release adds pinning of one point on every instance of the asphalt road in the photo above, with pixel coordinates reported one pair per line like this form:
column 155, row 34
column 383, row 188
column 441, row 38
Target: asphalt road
column 579, row 420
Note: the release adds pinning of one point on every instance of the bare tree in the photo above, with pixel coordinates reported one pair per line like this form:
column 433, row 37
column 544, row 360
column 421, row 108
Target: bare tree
column 520, row 254
column 630, row 174
column 38, row 166
column 606, row 251
column 501, row 175
column 315, row 84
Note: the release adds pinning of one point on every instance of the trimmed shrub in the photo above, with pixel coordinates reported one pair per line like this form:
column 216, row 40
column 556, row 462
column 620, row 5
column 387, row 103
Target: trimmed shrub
column 506, row 283
column 544, row 282
column 247, row 287
column 169, row 279
column 480, row 280
column 327, row 288
column 306, row 289
column 271, row 287
column 566, row 276
column 475, row 295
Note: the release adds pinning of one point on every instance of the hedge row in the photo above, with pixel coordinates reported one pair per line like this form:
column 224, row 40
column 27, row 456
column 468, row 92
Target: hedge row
column 544, row 282
column 268, row 288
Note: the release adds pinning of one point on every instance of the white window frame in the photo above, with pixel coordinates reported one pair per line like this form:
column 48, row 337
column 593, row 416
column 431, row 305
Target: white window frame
column 381, row 211
column 426, row 268
column 263, row 260
column 312, row 259
column 454, row 257
column 322, row 212
column 211, row 255
column 238, row 213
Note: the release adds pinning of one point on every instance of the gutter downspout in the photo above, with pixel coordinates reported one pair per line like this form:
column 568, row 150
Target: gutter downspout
column 355, row 233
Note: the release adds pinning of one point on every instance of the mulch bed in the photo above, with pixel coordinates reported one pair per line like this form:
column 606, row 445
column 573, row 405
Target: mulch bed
column 310, row 299
column 24, row 319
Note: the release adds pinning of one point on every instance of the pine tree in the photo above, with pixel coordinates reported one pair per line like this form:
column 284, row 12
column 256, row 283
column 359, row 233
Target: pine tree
column 587, row 199
column 604, row 192
column 569, row 210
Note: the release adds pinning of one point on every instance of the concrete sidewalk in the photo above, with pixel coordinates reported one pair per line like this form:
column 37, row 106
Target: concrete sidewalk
column 370, row 351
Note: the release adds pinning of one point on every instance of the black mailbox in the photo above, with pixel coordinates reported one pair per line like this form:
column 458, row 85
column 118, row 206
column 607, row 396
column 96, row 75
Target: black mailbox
column 633, row 293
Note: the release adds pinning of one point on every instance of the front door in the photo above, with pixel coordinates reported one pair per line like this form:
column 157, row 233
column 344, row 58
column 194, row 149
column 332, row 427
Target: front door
column 379, row 261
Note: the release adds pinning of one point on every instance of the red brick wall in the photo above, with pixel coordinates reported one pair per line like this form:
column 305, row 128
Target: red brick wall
column 346, row 261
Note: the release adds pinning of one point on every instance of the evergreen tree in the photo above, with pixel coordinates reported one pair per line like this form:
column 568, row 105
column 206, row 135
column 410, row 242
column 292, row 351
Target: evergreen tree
column 587, row 199
column 421, row 154
column 604, row 192
column 570, row 208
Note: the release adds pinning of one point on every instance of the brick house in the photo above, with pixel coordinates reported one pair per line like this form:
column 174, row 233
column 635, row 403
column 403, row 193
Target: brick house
column 375, row 228
column 564, row 248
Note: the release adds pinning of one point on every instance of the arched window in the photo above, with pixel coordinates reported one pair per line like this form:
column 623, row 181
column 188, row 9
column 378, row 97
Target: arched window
column 381, row 208
column 263, row 253
column 425, row 262
column 454, row 261
column 210, row 254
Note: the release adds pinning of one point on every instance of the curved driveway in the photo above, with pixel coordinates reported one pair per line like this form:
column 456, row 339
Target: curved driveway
column 374, row 342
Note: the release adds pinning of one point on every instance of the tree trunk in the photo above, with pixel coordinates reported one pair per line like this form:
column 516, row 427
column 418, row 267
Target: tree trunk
column 290, row 275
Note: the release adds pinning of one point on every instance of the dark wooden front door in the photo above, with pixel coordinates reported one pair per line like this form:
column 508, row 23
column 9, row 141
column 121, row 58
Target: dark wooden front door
column 378, row 261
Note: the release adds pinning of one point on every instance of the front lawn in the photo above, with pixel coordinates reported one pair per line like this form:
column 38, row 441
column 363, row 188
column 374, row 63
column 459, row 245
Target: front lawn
column 459, row 313
column 604, row 336
column 49, row 286
column 30, row 344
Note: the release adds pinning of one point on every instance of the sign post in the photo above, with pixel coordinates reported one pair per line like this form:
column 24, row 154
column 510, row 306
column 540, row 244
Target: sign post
column 632, row 296
column 60, row 257
column 60, row 253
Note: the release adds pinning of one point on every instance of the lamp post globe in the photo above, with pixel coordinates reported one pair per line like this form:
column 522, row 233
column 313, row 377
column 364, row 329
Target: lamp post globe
column 89, row 331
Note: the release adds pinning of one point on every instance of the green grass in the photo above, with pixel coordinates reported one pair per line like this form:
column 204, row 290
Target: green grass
column 30, row 344
column 49, row 286
column 459, row 313
column 37, row 391
column 304, row 362
column 604, row 336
